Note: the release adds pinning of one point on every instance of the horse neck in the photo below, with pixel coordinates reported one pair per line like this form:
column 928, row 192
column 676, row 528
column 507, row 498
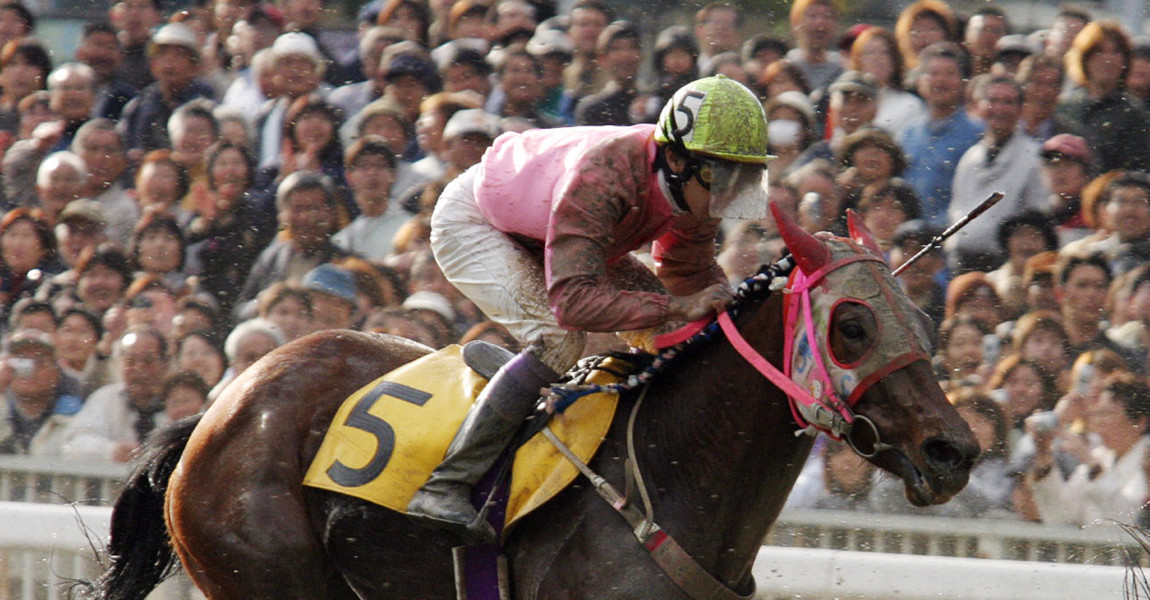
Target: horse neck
column 716, row 442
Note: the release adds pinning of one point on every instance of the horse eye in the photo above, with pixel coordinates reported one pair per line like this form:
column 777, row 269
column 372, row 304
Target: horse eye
column 853, row 331
column 855, row 328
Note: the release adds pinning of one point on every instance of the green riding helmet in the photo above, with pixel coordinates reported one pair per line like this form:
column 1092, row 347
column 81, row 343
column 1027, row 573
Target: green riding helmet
column 716, row 117
column 722, row 126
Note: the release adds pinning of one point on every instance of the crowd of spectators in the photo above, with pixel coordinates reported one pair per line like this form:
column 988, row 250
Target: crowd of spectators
column 195, row 189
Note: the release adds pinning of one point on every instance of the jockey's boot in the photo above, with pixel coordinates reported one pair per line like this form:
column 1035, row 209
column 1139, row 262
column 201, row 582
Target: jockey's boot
column 444, row 501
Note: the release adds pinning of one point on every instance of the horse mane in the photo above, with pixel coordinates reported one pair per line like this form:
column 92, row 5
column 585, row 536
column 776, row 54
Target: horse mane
column 752, row 290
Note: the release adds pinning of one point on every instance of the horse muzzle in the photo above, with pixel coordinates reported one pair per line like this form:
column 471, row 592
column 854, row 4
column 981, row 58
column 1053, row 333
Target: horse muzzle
column 945, row 468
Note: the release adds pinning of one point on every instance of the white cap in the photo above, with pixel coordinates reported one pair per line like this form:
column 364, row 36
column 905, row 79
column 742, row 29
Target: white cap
column 427, row 300
column 295, row 42
column 177, row 34
column 548, row 41
column 472, row 120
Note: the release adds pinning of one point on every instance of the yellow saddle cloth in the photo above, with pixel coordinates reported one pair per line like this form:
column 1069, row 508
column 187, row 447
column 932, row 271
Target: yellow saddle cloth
column 387, row 437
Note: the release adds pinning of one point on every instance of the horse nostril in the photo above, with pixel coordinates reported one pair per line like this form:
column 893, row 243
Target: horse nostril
column 944, row 454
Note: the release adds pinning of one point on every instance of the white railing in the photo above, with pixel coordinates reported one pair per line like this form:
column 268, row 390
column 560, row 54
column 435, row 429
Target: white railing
column 58, row 481
column 1101, row 544
column 45, row 549
column 41, row 546
column 818, row 574
column 52, row 481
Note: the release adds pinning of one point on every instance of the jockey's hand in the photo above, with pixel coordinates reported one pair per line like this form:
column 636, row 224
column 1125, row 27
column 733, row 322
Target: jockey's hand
column 711, row 300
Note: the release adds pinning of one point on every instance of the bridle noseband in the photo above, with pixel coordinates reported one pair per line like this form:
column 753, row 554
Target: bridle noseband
column 818, row 406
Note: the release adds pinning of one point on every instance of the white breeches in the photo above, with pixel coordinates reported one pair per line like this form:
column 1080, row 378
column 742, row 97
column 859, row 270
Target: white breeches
column 499, row 275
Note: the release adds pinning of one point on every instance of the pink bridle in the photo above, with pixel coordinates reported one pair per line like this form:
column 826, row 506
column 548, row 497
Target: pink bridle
column 817, row 407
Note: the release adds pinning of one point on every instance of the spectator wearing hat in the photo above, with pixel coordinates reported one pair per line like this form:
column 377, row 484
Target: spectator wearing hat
column 133, row 21
column 853, row 105
column 1004, row 160
column 814, row 24
column 435, row 111
column 983, row 30
column 620, row 57
column 99, row 145
column 935, row 142
column 1066, row 170
column 333, row 297
column 351, row 98
column 466, row 70
column 79, row 229
column 303, row 16
column 435, row 312
column 118, row 417
column 99, row 50
column 466, row 136
column 297, row 68
column 306, row 207
column 370, row 168
column 554, row 50
column 1009, row 53
column 174, row 60
column 39, row 399
column 407, row 75
column 1042, row 78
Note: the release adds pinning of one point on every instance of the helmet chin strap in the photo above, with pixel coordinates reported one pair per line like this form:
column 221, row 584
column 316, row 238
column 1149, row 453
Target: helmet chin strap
column 675, row 181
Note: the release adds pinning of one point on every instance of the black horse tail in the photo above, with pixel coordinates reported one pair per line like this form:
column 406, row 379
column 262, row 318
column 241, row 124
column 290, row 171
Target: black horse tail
column 140, row 554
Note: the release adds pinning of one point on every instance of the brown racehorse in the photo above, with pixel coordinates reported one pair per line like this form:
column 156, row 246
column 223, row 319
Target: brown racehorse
column 716, row 443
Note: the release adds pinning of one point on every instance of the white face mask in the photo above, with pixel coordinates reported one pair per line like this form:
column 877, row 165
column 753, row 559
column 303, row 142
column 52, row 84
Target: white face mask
column 783, row 132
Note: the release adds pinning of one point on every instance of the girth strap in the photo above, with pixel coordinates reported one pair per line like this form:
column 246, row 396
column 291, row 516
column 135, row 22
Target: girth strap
column 683, row 570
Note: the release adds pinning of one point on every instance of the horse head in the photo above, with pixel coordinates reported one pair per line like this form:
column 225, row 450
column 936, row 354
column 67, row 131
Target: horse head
column 862, row 349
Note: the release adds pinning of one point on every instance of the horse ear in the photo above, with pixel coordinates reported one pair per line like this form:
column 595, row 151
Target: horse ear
column 809, row 252
column 860, row 234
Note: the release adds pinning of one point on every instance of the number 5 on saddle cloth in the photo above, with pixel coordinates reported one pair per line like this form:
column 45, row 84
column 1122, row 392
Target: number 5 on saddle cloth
column 387, row 437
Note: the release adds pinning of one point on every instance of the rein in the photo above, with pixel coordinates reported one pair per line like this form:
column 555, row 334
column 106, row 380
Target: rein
column 820, row 408
column 822, row 411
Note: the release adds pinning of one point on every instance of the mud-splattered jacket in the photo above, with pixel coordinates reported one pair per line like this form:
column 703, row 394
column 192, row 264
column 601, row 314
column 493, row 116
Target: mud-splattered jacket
column 587, row 196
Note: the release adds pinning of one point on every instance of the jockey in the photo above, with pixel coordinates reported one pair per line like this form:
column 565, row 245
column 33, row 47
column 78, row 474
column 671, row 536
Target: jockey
column 539, row 235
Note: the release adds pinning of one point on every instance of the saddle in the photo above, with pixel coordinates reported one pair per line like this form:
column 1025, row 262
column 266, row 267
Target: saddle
column 388, row 436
